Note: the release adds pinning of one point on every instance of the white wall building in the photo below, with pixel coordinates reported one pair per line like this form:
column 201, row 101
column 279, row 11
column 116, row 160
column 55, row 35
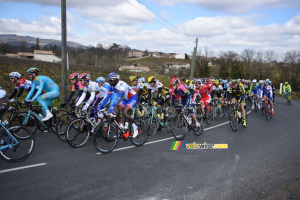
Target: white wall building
column 179, row 56
column 47, row 56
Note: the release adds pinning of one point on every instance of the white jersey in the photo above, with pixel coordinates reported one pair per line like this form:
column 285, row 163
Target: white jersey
column 190, row 87
column 102, row 92
column 124, row 87
column 92, row 87
column 218, row 89
column 138, row 86
column 2, row 93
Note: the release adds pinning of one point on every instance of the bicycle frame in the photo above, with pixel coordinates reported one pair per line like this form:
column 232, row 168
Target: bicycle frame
column 12, row 141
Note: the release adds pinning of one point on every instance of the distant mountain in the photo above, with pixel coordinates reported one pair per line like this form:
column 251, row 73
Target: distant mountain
column 30, row 41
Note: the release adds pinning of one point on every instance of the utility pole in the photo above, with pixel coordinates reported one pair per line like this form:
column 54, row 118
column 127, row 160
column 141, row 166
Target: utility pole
column 64, row 50
column 194, row 61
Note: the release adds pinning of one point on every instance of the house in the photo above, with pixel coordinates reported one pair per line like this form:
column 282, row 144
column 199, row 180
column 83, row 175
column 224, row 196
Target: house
column 12, row 55
column 133, row 68
column 176, row 67
column 179, row 56
column 47, row 56
column 25, row 55
column 135, row 53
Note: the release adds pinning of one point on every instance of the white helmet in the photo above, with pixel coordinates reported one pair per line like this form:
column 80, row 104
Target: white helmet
column 261, row 82
column 15, row 75
column 267, row 80
column 254, row 81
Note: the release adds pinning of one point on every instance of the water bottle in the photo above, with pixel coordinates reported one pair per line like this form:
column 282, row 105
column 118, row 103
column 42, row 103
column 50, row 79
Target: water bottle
column 239, row 114
column 41, row 116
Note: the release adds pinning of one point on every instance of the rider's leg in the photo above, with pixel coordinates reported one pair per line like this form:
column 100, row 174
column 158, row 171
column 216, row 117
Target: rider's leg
column 45, row 100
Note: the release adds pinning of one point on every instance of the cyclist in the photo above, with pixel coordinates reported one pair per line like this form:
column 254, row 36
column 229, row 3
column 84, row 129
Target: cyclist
column 101, row 82
column 21, row 84
column 237, row 93
column 273, row 89
column 253, row 91
column 259, row 88
column 97, row 93
column 128, row 103
column 44, row 83
column 143, row 91
column 217, row 90
column 267, row 94
column 202, row 91
column 287, row 90
column 225, row 88
column 76, row 85
column 4, row 104
column 210, row 85
column 189, row 86
column 185, row 98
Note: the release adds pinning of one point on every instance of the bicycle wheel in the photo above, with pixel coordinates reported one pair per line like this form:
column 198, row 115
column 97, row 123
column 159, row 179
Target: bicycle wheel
column 216, row 112
column 19, row 151
column 169, row 122
column 30, row 124
column 267, row 111
column 6, row 116
column 106, row 137
column 152, row 124
column 234, row 120
column 78, row 132
column 198, row 130
column 61, row 126
column 209, row 117
column 56, row 116
column 142, row 137
column 181, row 128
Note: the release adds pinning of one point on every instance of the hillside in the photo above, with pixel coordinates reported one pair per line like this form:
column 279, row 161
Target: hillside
column 53, row 70
column 17, row 40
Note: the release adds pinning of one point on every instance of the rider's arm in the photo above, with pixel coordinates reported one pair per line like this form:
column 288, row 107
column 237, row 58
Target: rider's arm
column 118, row 98
column 158, row 93
column 40, row 90
column 105, row 100
column 14, row 93
column 82, row 97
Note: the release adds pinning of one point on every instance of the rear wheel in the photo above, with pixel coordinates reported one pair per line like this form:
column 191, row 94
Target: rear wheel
column 142, row 136
column 16, row 152
column 78, row 132
column 152, row 124
column 30, row 124
column 61, row 126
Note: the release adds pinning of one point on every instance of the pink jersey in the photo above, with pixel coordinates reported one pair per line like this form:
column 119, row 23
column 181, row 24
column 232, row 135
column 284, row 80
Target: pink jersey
column 77, row 86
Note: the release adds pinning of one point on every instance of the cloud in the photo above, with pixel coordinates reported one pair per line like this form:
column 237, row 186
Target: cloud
column 232, row 6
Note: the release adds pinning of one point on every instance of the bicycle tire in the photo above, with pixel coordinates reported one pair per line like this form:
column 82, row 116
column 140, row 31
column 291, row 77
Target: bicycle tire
column 209, row 117
column 152, row 124
column 198, row 130
column 78, row 132
column 19, row 119
column 105, row 137
column 267, row 112
column 169, row 123
column 234, row 121
column 61, row 126
column 20, row 151
column 142, row 137
column 180, row 129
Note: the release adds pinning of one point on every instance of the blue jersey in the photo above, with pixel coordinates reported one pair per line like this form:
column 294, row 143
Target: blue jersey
column 44, row 83
column 259, row 88
column 107, row 86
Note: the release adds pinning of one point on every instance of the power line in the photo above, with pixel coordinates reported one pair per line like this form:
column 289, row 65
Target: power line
column 165, row 20
column 156, row 20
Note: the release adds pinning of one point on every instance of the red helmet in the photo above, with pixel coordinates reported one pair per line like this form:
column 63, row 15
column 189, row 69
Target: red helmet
column 84, row 76
column 208, row 80
column 74, row 75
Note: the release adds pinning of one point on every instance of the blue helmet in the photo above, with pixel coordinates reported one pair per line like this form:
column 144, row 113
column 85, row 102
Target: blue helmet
column 100, row 80
column 270, row 82
column 141, row 80
column 113, row 76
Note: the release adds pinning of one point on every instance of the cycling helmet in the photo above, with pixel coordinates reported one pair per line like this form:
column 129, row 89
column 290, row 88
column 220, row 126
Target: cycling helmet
column 267, row 80
column 234, row 81
column 74, row 75
column 141, row 80
column 15, row 75
column 175, row 82
column 33, row 70
column 198, row 81
column 254, row 81
column 84, row 76
column 187, row 81
column 113, row 76
column 208, row 80
column 286, row 83
column 133, row 78
column 266, row 83
column 100, row 80
column 216, row 82
column 261, row 81
column 225, row 81
column 152, row 79
column 270, row 82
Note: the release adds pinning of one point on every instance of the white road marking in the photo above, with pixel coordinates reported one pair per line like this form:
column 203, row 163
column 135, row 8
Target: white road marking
column 170, row 138
column 20, row 168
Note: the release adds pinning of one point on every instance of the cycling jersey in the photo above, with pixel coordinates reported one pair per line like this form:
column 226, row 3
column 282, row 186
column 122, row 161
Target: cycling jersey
column 287, row 88
column 92, row 87
column 142, row 89
column 2, row 93
column 160, row 89
column 23, row 83
column 78, row 86
column 253, row 88
column 185, row 98
column 267, row 91
column 107, row 86
column 238, row 93
column 4, row 103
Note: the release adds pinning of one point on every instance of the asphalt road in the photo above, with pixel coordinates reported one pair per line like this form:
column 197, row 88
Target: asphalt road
column 262, row 162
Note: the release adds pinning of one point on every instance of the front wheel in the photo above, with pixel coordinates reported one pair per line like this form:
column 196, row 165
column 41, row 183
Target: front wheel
column 198, row 130
column 20, row 150
column 142, row 136
column 61, row 126
column 27, row 120
column 78, row 132
column 106, row 137
column 234, row 120
column 152, row 124
column 181, row 128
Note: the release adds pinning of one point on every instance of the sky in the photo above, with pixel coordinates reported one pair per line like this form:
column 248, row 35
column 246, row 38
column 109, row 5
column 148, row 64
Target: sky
column 169, row 26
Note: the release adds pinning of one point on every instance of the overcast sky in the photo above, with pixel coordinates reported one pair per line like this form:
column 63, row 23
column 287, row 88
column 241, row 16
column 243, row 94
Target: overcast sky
column 161, row 25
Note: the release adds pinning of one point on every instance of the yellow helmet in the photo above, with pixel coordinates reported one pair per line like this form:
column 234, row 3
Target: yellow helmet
column 217, row 82
column 187, row 81
column 151, row 79
column 133, row 78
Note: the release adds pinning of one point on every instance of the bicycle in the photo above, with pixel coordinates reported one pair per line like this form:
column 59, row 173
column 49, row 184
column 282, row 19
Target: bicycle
column 266, row 108
column 109, row 131
column 235, row 116
column 289, row 98
column 13, row 110
column 16, row 149
column 184, row 124
column 154, row 121
column 32, row 118
column 218, row 110
column 202, row 113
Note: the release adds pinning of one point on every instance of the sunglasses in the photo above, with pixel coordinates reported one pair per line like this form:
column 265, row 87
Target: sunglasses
column 11, row 78
column 111, row 80
column 81, row 80
column 29, row 74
